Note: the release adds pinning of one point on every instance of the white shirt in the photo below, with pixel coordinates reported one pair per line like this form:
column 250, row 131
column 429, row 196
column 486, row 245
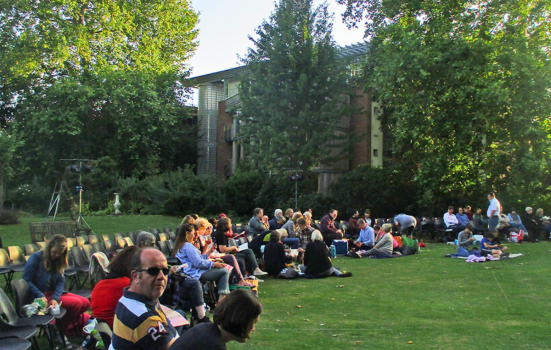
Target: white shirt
column 495, row 206
column 450, row 219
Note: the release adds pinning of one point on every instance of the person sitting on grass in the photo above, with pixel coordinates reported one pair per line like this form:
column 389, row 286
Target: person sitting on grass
column 234, row 319
column 316, row 260
column 490, row 247
column 274, row 255
column 464, row 242
column 366, row 238
column 383, row 244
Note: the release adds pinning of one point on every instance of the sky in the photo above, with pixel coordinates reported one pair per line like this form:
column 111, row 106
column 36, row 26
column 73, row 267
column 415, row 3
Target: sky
column 225, row 25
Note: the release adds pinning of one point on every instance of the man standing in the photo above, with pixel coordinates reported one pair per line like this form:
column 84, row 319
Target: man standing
column 493, row 212
column 257, row 224
column 328, row 229
column 139, row 321
column 406, row 223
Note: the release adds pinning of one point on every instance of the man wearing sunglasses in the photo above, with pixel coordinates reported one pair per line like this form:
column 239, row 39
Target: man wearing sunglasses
column 139, row 322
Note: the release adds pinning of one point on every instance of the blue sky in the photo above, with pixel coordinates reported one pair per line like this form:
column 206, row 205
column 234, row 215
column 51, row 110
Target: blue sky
column 224, row 27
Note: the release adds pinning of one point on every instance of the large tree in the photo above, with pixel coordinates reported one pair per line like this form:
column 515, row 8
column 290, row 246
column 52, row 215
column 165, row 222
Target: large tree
column 293, row 97
column 466, row 91
column 41, row 41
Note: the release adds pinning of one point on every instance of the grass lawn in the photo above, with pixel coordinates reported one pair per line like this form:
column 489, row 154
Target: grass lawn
column 434, row 302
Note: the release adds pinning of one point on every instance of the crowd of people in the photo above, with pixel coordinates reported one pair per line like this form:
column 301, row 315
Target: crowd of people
column 205, row 251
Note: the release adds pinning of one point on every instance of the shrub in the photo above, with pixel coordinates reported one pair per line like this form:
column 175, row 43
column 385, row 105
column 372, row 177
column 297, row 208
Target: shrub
column 9, row 217
column 242, row 189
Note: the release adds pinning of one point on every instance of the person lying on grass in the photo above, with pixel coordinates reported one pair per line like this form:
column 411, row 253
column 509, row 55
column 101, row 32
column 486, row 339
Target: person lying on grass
column 490, row 247
column 383, row 244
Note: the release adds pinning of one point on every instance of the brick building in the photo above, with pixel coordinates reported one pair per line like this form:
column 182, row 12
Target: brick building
column 219, row 151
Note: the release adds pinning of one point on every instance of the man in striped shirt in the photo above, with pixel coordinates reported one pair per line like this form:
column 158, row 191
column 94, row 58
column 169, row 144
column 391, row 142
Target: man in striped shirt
column 139, row 322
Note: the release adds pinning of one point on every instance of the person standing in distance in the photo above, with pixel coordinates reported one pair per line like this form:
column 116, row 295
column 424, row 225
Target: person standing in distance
column 493, row 212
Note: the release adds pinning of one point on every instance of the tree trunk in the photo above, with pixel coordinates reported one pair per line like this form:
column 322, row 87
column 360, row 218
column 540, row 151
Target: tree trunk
column 1, row 191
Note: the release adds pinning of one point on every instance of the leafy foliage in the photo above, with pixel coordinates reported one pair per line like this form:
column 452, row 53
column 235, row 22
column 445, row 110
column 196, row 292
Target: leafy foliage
column 289, row 109
column 466, row 89
column 41, row 41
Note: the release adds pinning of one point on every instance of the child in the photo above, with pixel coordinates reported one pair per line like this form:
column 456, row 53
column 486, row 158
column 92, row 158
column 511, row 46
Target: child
column 488, row 246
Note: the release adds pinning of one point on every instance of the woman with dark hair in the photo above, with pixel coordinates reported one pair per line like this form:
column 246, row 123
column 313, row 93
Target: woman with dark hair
column 106, row 294
column 274, row 255
column 197, row 265
column 220, row 237
column 44, row 275
column 234, row 320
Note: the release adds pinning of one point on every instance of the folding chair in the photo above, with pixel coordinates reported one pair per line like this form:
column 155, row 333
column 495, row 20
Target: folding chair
column 128, row 241
column 14, row 343
column 80, row 241
column 81, row 264
column 6, row 308
column 88, row 251
column 121, row 243
column 163, row 237
column 172, row 236
column 133, row 236
column 41, row 245
column 117, row 236
column 105, row 332
column 17, row 258
column 97, row 247
column 5, row 269
column 92, row 239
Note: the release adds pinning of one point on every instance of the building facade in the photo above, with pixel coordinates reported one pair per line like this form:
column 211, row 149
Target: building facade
column 219, row 149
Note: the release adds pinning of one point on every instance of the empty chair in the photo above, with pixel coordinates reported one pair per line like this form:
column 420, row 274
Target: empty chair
column 30, row 249
column 117, row 236
column 70, row 243
column 41, row 244
column 11, row 317
column 172, row 236
column 22, row 332
column 17, row 258
column 109, row 246
column 105, row 238
column 81, row 265
column 88, row 251
column 121, row 243
column 163, row 248
column 92, row 239
column 98, row 247
column 155, row 231
column 170, row 246
column 133, row 236
column 15, row 343
column 166, row 230
column 128, row 241
column 5, row 269
column 163, row 237
column 81, row 241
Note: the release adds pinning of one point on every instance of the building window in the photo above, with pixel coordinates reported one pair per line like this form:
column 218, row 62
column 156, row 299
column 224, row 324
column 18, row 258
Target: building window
column 375, row 152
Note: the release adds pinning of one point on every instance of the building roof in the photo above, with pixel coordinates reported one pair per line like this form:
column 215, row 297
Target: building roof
column 345, row 51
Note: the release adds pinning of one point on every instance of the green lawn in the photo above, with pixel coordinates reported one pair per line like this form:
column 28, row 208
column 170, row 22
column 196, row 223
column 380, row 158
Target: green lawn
column 434, row 302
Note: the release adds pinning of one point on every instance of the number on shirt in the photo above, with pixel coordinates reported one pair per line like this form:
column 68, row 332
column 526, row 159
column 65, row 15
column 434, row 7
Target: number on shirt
column 155, row 332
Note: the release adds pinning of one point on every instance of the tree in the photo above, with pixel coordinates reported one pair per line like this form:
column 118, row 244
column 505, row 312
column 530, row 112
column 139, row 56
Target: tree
column 136, row 118
column 293, row 96
column 8, row 145
column 466, row 92
column 41, row 41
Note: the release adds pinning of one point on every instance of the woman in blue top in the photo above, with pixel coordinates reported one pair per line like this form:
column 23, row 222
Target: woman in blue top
column 44, row 275
column 199, row 266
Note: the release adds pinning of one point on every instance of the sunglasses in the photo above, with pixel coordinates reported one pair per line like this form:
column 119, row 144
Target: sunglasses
column 154, row 271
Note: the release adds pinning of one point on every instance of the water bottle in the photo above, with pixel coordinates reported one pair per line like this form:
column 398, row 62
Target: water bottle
column 333, row 251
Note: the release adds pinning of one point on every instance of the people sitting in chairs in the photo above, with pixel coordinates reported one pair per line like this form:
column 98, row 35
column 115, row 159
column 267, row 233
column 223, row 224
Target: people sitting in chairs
column 367, row 218
column 44, row 276
column 145, row 239
column 277, row 221
column 221, row 239
column 316, row 260
column 353, row 226
column 462, row 218
column 383, row 244
column 107, row 292
column 258, row 224
column 478, row 221
column 328, row 229
column 452, row 222
column 515, row 220
column 198, row 265
column 234, row 319
column 291, row 227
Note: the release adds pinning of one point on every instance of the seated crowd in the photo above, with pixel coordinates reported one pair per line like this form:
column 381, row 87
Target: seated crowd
column 205, row 251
